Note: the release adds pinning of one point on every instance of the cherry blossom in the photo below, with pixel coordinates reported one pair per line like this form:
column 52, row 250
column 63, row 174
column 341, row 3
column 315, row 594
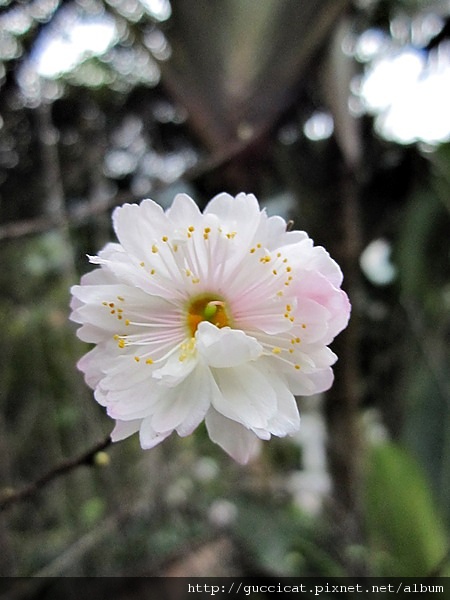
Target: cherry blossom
column 221, row 316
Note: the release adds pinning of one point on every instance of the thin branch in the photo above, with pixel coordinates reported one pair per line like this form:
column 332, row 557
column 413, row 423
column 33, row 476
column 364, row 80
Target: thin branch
column 86, row 459
column 75, row 217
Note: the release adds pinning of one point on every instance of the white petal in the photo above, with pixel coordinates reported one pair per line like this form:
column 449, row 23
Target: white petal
column 183, row 212
column 226, row 347
column 240, row 443
column 125, row 373
column 148, row 437
column 241, row 210
column 138, row 226
column 320, row 356
column 263, row 434
column 133, row 401
column 137, row 402
column 286, row 421
column 208, row 390
column 276, row 236
column 303, row 384
column 94, row 311
column 184, row 407
column 246, row 395
column 240, row 218
column 176, row 369
column 124, row 429
column 322, row 380
column 92, row 364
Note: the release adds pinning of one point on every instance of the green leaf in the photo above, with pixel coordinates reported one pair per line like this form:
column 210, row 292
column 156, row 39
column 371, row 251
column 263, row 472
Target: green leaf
column 402, row 520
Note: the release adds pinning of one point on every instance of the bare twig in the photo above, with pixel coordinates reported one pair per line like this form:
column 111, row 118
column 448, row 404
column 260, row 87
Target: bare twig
column 22, row 228
column 86, row 459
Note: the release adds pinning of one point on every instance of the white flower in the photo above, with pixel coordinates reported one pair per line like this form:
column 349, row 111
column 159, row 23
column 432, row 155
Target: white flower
column 221, row 316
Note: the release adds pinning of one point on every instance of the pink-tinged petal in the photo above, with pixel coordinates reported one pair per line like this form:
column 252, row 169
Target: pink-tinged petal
column 312, row 258
column 322, row 262
column 246, row 395
column 311, row 321
column 315, row 287
column 148, row 437
column 124, row 429
column 269, row 316
column 226, row 347
column 240, row 443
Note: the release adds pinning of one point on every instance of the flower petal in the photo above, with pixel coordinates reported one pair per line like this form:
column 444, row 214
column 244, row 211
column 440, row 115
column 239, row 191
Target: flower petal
column 176, row 369
column 318, row 289
column 286, row 421
column 240, row 443
column 124, row 429
column 302, row 384
column 139, row 225
column 185, row 406
column 239, row 213
column 246, row 395
column 148, row 437
column 226, row 347
column 183, row 212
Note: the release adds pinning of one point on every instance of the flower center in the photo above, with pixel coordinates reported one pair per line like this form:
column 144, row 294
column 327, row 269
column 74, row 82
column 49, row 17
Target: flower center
column 207, row 308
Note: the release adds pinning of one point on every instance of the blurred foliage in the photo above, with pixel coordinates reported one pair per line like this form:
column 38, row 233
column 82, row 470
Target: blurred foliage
column 149, row 116
column 409, row 536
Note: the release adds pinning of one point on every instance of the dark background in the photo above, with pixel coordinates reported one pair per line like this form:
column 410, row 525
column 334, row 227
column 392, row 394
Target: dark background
column 207, row 96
